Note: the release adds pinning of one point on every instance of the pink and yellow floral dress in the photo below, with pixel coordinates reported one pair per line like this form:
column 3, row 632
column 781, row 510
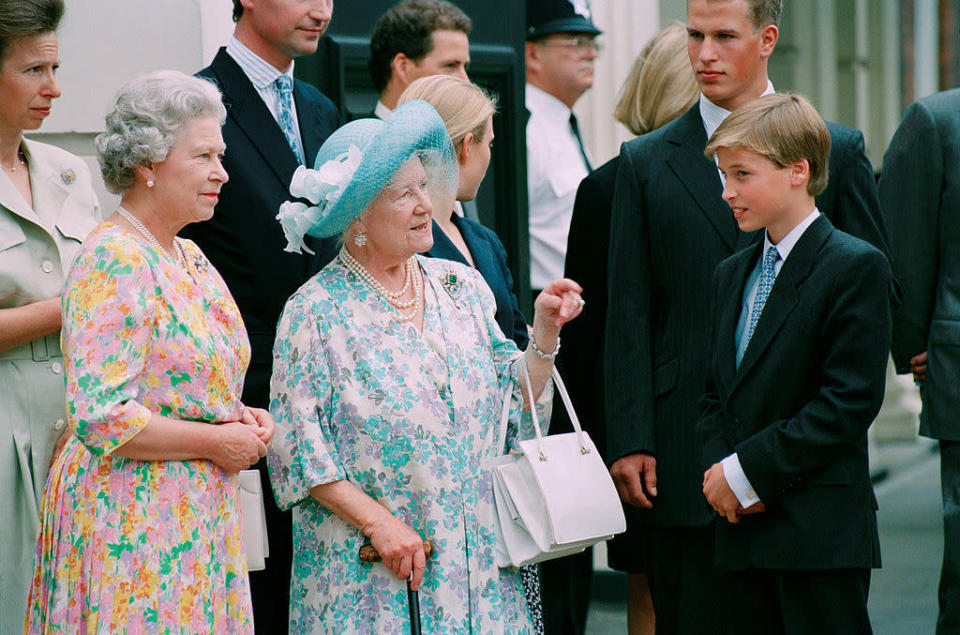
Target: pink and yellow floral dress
column 143, row 546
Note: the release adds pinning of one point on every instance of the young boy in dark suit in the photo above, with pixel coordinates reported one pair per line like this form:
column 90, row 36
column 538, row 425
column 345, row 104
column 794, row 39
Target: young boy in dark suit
column 801, row 335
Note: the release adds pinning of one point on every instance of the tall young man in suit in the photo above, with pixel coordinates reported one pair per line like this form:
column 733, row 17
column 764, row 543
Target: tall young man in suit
column 274, row 123
column 670, row 229
column 920, row 196
column 801, row 330
column 414, row 39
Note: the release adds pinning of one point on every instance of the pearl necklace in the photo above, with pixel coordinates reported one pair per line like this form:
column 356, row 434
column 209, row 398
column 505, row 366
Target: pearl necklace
column 140, row 227
column 354, row 265
column 392, row 298
column 21, row 160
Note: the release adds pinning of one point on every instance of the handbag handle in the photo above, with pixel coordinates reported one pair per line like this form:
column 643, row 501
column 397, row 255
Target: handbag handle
column 564, row 396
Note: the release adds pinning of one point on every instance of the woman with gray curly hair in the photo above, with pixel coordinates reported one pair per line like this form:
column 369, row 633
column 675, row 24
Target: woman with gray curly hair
column 140, row 521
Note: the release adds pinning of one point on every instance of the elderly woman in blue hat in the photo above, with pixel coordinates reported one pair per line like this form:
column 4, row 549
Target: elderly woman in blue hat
column 390, row 377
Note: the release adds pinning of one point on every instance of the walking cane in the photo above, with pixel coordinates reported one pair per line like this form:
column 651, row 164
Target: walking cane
column 369, row 554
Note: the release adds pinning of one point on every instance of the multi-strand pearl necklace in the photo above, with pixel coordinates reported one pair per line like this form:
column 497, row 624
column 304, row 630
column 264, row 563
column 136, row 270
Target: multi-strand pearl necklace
column 140, row 227
column 411, row 277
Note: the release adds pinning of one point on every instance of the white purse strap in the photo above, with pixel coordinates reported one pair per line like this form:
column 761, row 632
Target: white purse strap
column 564, row 396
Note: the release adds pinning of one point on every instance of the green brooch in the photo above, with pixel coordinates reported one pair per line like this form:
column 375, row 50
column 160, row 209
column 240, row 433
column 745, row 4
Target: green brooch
column 451, row 284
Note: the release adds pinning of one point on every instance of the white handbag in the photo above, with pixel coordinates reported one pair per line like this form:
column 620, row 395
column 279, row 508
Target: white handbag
column 254, row 520
column 555, row 497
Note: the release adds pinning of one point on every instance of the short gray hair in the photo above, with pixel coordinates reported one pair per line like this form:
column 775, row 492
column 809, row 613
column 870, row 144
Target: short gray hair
column 148, row 113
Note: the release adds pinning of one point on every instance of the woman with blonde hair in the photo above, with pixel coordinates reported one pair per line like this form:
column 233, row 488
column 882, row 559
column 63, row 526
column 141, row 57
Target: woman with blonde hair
column 467, row 110
column 659, row 88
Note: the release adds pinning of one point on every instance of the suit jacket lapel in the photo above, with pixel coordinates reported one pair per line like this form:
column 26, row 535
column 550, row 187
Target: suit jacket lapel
column 699, row 175
column 49, row 189
column 483, row 257
column 252, row 116
column 443, row 247
column 311, row 126
column 729, row 316
column 11, row 198
column 783, row 297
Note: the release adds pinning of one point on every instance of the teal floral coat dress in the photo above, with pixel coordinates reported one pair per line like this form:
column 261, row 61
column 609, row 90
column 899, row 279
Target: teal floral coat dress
column 411, row 419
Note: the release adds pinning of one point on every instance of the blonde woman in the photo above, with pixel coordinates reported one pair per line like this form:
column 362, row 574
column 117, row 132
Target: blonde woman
column 660, row 87
column 467, row 112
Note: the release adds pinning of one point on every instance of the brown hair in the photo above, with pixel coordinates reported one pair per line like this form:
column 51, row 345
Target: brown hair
column 783, row 127
column 24, row 18
column 463, row 106
column 661, row 85
column 407, row 27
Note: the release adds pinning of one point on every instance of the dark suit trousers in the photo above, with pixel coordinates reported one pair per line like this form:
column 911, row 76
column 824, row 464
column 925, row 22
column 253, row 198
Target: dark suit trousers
column 565, row 593
column 948, row 622
column 771, row 602
column 683, row 581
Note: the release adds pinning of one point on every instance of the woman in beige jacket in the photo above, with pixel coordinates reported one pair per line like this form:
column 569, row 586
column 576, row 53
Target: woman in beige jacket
column 47, row 206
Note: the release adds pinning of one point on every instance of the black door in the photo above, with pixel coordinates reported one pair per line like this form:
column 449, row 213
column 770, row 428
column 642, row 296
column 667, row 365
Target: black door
column 339, row 69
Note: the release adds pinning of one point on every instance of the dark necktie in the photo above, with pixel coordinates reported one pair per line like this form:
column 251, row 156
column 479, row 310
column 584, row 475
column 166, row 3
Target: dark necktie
column 576, row 133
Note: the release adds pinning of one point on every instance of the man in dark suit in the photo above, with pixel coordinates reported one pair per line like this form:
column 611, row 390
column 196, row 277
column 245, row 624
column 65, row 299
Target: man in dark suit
column 801, row 329
column 920, row 196
column 670, row 229
column 414, row 39
column 269, row 132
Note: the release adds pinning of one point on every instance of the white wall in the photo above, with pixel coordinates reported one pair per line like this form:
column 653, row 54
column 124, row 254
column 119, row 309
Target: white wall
column 627, row 25
column 103, row 43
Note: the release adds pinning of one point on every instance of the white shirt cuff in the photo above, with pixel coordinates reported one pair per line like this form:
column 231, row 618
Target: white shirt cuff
column 738, row 481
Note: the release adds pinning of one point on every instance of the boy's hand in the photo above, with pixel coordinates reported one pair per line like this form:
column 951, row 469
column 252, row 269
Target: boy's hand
column 719, row 495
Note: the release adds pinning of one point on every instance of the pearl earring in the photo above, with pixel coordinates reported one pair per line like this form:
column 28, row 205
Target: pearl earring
column 150, row 183
column 359, row 239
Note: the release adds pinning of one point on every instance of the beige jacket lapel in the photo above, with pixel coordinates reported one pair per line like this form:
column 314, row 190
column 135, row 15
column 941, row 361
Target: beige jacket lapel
column 47, row 182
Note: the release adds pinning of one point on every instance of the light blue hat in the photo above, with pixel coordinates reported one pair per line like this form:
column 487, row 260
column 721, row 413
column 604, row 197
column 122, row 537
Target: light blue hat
column 359, row 160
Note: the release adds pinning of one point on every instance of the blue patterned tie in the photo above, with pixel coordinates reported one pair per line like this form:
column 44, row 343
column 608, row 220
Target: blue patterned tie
column 768, row 274
column 285, row 86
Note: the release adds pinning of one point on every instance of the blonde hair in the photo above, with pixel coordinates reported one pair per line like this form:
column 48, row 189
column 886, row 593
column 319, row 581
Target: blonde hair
column 782, row 127
column 463, row 106
column 661, row 85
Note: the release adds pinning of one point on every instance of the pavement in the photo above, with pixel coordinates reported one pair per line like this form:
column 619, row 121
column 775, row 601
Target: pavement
column 903, row 594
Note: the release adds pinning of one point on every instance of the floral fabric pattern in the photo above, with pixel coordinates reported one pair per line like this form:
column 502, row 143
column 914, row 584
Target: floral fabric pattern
column 411, row 419
column 129, row 545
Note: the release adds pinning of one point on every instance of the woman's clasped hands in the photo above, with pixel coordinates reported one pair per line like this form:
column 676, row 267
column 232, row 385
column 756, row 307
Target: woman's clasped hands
column 243, row 443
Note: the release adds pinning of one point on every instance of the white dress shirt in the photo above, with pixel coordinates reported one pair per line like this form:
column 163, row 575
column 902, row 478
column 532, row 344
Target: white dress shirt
column 263, row 76
column 381, row 111
column 732, row 471
column 555, row 168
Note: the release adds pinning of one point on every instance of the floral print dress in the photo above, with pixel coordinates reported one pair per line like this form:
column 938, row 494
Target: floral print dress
column 143, row 546
column 412, row 420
